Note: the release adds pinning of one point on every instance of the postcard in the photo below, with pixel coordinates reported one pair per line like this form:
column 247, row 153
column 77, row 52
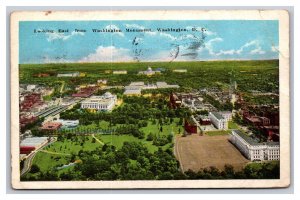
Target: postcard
column 150, row 99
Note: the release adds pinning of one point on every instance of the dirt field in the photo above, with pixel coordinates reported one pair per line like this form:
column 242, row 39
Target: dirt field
column 197, row 152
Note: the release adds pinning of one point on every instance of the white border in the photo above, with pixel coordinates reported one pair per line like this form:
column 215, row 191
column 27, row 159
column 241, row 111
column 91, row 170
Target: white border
column 280, row 15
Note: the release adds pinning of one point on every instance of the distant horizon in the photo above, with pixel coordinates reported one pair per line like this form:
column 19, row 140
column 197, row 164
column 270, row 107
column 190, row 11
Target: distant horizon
column 148, row 61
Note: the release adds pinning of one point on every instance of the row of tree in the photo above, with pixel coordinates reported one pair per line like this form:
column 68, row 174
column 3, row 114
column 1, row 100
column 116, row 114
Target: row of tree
column 134, row 162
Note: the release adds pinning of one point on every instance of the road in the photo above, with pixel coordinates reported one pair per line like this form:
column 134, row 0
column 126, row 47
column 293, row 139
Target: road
column 177, row 154
column 29, row 159
column 99, row 141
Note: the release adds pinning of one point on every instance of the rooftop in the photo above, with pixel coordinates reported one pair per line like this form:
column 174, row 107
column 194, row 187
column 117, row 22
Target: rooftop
column 217, row 115
column 252, row 141
column 245, row 137
column 33, row 141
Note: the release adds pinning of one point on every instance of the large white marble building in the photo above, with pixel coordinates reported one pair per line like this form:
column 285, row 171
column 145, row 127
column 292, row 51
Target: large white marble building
column 105, row 102
column 218, row 120
column 253, row 150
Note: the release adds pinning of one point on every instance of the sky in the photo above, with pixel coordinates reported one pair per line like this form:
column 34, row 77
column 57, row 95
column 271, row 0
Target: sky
column 41, row 42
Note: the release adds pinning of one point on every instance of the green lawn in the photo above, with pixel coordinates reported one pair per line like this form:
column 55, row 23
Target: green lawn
column 46, row 161
column 232, row 125
column 56, row 153
column 167, row 129
column 51, row 158
column 215, row 133
column 69, row 146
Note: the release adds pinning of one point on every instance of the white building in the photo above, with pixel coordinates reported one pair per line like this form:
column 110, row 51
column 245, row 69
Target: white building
column 105, row 102
column 36, row 142
column 68, row 123
column 227, row 115
column 150, row 87
column 102, row 81
column 253, row 150
column 149, row 72
column 138, row 84
column 132, row 90
column 218, row 120
column 30, row 87
column 161, row 85
column 180, row 70
column 71, row 74
column 120, row 72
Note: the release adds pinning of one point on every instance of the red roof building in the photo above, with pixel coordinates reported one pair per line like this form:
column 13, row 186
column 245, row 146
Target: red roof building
column 190, row 127
column 30, row 101
column 51, row 126
column 85, row 92
column 27, row 120
column 26, row 149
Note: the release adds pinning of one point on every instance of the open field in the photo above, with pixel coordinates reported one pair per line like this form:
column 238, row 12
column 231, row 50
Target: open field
column 197, row 152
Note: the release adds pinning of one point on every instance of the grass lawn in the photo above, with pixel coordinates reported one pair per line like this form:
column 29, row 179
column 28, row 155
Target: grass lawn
column 73, row 145
column 167, row 129
column 57, row 153
column 214, row 133
column 47, row 160
column 232, row 125
column 118, row 140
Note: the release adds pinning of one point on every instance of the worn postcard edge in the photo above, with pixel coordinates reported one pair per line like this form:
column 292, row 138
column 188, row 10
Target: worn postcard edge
column 284, row 101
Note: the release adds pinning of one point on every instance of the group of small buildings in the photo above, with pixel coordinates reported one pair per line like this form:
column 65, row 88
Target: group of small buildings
column 221, row 96
column 193, row 101
column 254, row 150
column 85, row 92
column 268, row 123
column 149, row 72
column 30, row 101
column 135, row 88
column 218, row 119
column 59, row 124
column 105, row 102
column 69, row 74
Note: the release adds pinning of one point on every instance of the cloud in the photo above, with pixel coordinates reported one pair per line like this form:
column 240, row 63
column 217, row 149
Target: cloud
column 61, row 36
column 248, row 44
column 227, row 52
column 167, row 35
column 252, row 47
column 114, row 27
column 257, row 51
column 108, row 54
column 209, row 45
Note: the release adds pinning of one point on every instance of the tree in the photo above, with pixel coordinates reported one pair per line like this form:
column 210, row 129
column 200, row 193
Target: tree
column 34, row 169
column 150, row 137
